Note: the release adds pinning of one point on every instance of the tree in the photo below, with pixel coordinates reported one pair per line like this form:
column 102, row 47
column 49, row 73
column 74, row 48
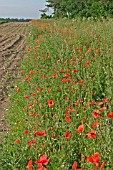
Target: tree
column 82, row 8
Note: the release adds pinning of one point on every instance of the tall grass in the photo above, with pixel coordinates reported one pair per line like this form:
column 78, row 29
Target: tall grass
column 61, row 114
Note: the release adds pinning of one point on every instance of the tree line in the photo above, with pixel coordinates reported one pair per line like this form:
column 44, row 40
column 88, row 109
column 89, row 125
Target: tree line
column 81, row 8
column 15, row 20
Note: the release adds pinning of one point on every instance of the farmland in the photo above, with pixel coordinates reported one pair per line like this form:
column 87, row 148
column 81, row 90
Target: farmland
column 61, row 111
column 12, row 44
column 2, row 21
column 12, row 48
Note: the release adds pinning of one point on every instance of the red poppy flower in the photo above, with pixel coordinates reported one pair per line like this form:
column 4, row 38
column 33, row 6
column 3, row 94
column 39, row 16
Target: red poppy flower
column 87, row 64
column 110, row 115
column 96, row 158
column 103, row 164
column 68, row 119
column 63, row 80
column 68, row 135
column 54, row 75
column 44, row 77
column 80, row 82
column 97, row 51
column 31, row 71
column 70, row 109
column 95, row 93
column 30, row 165
column 96, row 167
column 102, row 109
column 62, row 71
column 28, row 50
column 89, row 159
column 34, row 94
column 96, row 114
column 35, row 115
column 31, row 142
column 81, row 128
column 67, row 114
column 67, row 75
column 99, row 103
column 22, row 72
column 41, row 133
column 95, row 124
column 35, row 101
column 30, row 105
column 26, row 97
column 68, row 80
column 75, row 47
column 17, row 141
column 18, row 90
column 51, row 103
column 93, row 102
column 106, row 100
column 26, row 132
column 49, row 57
column 92, row 134
column 38, row 90
column 88, row 50
column 74, row 166
column 44, row 160
column 75, row 71
column 80, row 50
column 49, row 90
column 82, row 158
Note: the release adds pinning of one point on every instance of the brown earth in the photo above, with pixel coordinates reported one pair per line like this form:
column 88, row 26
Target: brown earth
column 12, row 50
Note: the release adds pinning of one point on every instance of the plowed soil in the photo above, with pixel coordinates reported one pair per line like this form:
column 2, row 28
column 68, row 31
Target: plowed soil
column 12, row 50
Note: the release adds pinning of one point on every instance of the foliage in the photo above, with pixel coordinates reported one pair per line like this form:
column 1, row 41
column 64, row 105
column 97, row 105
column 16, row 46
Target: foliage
column 81, row 8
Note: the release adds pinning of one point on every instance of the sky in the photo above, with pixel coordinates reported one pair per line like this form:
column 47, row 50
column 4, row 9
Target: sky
column 22, row 8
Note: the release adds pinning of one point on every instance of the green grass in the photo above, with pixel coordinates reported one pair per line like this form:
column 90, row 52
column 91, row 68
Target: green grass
column 3, row 21
column 67, row 81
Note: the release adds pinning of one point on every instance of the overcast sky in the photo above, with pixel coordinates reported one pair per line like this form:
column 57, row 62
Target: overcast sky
column 21, row 8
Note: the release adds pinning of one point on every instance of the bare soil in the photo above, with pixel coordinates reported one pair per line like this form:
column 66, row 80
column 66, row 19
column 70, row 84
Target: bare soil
column 12, row 50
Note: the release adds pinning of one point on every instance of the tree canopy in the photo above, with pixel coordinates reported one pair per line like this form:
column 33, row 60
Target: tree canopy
column 82, row 8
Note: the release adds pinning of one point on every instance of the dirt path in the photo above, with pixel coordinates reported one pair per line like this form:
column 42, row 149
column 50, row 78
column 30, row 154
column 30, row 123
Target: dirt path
column 12, row 49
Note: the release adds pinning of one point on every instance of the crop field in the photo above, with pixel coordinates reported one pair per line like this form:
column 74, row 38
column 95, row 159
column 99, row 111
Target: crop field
column 12, row 48
column 12, row 38
column 61, row 110
column 3, row 21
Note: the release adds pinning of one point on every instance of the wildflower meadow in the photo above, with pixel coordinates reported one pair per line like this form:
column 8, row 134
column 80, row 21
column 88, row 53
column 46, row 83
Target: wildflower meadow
column 61, row 112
